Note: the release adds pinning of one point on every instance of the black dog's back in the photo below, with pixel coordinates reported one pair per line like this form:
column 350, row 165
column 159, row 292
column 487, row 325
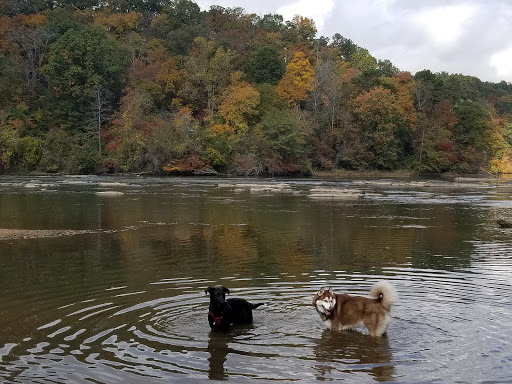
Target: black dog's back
column 241, row 310
column 222, row 313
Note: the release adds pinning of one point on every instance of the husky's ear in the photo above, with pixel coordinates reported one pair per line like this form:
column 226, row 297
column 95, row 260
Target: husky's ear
column 320, row 292
column 329, row 289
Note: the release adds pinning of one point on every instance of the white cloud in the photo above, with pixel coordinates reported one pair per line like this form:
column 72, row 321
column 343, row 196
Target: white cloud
column 445, row 25
column 317, row 10
column 501, row 62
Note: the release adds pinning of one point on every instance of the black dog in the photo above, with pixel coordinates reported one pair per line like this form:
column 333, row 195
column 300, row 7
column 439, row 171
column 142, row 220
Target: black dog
column 224, row 312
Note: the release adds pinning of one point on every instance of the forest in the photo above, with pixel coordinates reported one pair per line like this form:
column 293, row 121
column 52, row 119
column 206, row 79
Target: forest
column 162, row 87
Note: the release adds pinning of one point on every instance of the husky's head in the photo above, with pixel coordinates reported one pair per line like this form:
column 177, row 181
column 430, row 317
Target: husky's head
column 324, row 301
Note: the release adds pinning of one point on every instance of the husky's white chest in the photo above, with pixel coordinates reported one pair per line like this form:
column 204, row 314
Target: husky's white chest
column 328, row 323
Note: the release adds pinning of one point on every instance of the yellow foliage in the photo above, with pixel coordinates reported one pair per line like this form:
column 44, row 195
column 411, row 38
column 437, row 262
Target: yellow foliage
column 117, row 22
column 183, row 116
column 169, row 75
column 299, row 22
column 220, row 129
column 239, row 101
column 297, row 81
column 34, row 20
column 501, row 165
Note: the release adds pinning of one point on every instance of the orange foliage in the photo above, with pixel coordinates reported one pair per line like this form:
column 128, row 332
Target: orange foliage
column 5, row 23
column 443, row 116
column 404, row 89
column 16, row 123
column 186, row 165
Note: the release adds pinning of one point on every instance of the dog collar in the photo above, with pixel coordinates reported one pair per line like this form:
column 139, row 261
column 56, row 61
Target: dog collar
column 216, row 319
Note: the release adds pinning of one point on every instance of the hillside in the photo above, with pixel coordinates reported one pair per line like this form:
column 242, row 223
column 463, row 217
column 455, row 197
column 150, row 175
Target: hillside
column 161, row 87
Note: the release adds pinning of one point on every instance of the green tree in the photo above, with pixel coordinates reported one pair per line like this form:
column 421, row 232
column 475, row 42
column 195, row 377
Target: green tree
column 345, row 47
column 85, row 58
column 362, row 60
column 379, row 115
column 178, row 25
column 284, row 136
column 267, row 66
column 208, row 73
column 272, row 23
column 435, row 139
column 473, row 135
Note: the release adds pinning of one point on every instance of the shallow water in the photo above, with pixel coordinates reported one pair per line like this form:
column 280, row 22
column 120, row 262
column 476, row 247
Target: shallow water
column 116, row 293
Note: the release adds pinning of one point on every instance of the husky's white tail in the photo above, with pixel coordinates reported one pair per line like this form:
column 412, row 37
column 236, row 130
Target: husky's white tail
column 384, row 292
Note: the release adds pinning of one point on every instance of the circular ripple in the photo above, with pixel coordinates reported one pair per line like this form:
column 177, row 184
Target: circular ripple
column 161, row 333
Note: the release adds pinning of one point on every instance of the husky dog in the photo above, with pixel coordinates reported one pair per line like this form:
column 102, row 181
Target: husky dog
column 341, row 311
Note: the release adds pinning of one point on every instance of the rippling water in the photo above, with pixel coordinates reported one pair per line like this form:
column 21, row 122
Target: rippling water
column 111, row 288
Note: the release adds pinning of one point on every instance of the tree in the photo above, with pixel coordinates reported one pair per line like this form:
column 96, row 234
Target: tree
column 272, row 23
column 238, row 104
column 297, row 81
column 300, row 30
column 379, row 115
column 284, row 141
column 345, row 47
column 387, row 68
column 32, row 42
column 473, row 135
column 85, row 58
column 208, row 71
column 267, row 66
column 178, row 25
column 100, row 109
column 362, row 60
column 117, row 23
column 403, row 89
column 435, row 137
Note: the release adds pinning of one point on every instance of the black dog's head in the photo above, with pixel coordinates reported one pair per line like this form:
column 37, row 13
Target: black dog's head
column 217, row 297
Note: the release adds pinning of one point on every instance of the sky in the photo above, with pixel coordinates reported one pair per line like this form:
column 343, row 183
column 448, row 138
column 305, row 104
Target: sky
column 471, row 37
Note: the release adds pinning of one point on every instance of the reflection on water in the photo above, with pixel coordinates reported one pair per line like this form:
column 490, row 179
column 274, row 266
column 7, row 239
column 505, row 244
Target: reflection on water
column 350, row 351
column 115, row 292
column 218, row 348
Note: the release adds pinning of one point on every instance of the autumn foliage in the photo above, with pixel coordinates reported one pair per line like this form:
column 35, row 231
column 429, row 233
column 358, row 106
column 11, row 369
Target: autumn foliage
column 162, row 87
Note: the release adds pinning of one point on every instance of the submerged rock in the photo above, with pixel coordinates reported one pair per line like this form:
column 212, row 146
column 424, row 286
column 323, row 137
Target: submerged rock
column 504, row 223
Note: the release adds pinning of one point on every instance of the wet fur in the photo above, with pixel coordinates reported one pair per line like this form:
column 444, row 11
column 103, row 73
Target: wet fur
column 342, row 311
column 222, row 313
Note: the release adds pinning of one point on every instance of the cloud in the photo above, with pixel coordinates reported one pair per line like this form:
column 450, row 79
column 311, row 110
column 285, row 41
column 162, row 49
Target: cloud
column 501, row 62
column 444, row 26
column 317, row 10
column 457, row 36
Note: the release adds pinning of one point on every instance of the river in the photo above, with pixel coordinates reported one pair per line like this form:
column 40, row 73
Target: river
column 103, row 278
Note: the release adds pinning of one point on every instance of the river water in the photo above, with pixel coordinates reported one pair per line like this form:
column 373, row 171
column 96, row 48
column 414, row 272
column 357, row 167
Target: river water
column 106, row 284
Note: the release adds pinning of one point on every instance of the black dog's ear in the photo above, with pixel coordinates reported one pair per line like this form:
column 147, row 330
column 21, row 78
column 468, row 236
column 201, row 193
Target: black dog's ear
column 225, row 290
column 208, row 290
